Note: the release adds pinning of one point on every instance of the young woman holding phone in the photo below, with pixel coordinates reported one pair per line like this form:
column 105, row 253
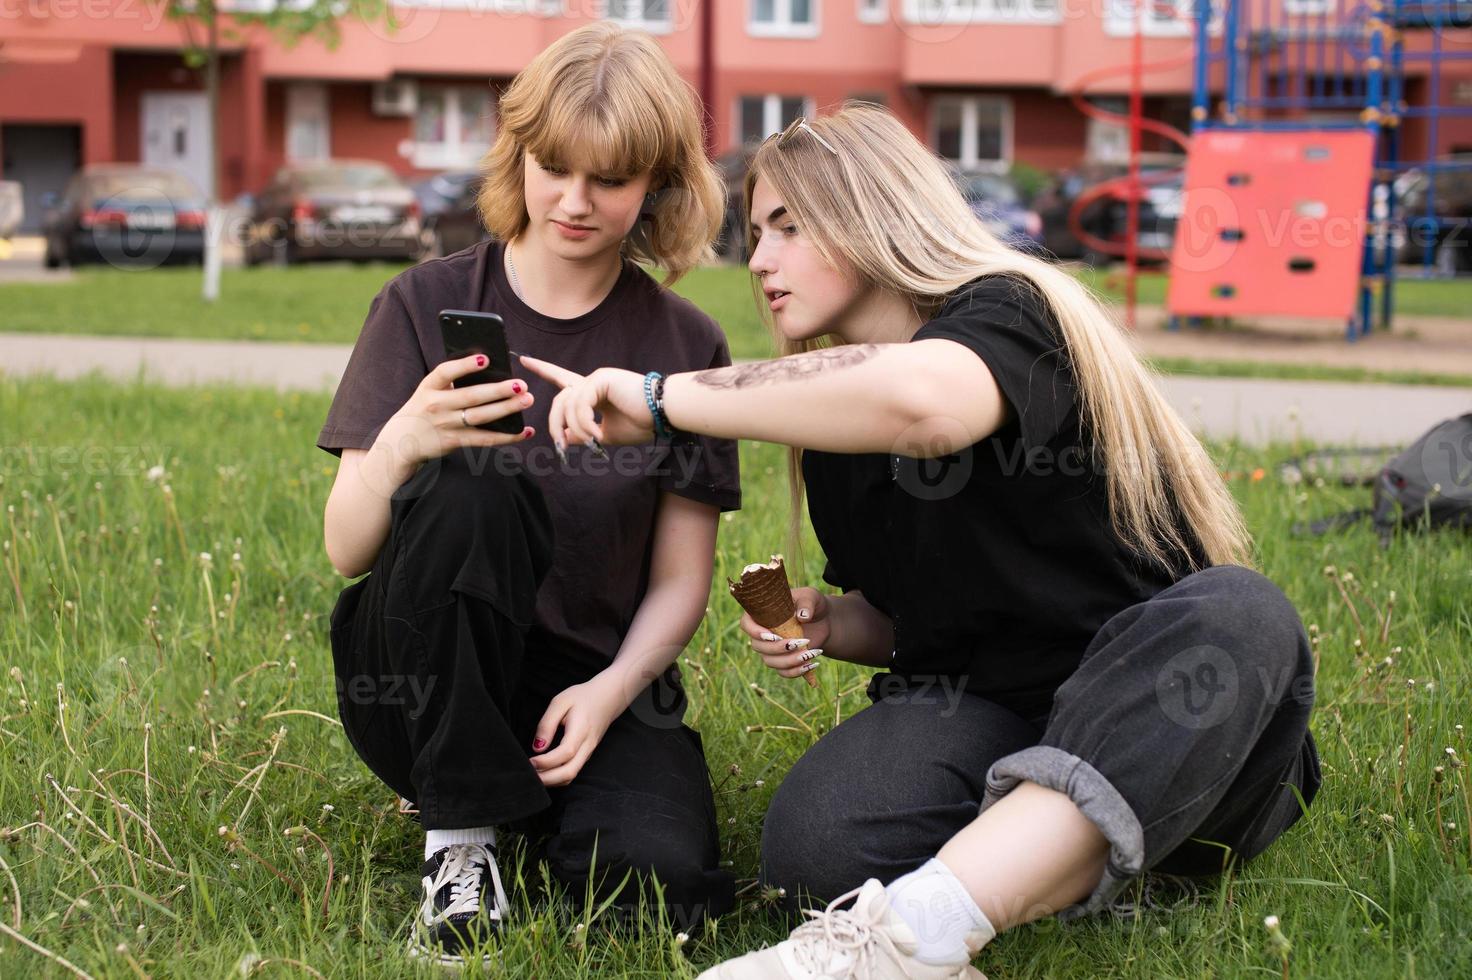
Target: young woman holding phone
column 1011, row 510
column 510, row 658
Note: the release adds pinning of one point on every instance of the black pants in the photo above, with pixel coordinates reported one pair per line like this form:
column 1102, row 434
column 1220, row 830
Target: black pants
column 428, row 651
column 1184, row 727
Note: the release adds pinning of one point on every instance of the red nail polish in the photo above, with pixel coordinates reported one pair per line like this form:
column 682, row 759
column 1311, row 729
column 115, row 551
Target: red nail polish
column 528, row 432
column 480, row 360
column 539, row 744
column 516, row 387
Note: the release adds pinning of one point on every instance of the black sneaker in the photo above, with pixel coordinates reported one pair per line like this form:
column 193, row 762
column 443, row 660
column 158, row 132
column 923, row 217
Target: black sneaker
column 464, row 905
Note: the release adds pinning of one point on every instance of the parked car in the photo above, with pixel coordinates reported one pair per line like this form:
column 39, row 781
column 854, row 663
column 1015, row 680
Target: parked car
column 439, row 192
column 335, row 209
column 732, row 166
column 1105, row 218
column 996, row 200
column 126, row 215
column 451, row 220
column 12, row 208
column 1444, row 235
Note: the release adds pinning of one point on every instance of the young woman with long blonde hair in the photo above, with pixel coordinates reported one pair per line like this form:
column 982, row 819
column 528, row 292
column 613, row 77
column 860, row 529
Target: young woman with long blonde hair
column 1083, row 676
column 510, row 658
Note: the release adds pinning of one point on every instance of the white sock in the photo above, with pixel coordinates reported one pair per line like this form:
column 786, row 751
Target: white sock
column 436, row 839
column 937, row 908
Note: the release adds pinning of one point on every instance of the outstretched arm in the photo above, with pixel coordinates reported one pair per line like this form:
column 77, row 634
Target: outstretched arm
column 924, row 398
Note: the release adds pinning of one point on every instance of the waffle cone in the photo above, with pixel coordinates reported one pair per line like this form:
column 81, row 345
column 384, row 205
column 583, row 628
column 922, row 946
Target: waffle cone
column 767, row 597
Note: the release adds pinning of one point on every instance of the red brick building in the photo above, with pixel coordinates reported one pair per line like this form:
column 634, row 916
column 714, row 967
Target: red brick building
column 985, row 82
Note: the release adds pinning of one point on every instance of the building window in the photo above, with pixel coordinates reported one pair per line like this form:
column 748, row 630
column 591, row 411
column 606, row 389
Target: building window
column 1106, row 140
column 652, row 16
column 759, row 116
column 930, row 12
column 972, row 131
column 873, row 11
column 782, row 18
column 308, row 123
column 1162, row 18
column 452, row 126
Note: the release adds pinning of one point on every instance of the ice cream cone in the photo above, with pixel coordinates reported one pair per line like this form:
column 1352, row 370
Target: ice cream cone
column 766, row 595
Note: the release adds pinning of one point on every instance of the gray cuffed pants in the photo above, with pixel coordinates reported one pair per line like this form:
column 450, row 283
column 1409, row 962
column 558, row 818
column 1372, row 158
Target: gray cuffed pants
column 1184, row 729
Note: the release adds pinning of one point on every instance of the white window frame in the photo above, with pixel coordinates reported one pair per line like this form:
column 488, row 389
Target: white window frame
column 614, row 11
column 970, row 104
column 452, row 154
column 540, row 8
column 1119, row 18
column 771, row 113
column 782, row 24
column 308, row 102
column 873, row 11
column 935, row 12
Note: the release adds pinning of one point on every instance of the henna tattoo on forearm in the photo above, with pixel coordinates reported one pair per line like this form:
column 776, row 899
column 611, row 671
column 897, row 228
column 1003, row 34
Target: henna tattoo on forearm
column 794, row 368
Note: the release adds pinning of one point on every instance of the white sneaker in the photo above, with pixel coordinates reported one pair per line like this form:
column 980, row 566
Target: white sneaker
column 869, row 941
column 464, row 905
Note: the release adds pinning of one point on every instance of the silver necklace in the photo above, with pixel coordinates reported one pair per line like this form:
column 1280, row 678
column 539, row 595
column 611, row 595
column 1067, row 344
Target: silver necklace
column 511, row 268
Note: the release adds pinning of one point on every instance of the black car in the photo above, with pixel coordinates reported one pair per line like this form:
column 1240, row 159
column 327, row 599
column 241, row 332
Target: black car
column 124, row 215
column 1435, row 216
column 1105, row 217
column 733, row 166
column 335, row 209
column 451, row 220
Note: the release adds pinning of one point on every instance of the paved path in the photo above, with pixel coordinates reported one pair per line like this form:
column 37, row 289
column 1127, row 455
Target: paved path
column 1256, row 411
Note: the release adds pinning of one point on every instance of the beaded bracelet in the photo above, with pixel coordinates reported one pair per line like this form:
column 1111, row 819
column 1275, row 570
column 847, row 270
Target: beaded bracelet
column 654, row 399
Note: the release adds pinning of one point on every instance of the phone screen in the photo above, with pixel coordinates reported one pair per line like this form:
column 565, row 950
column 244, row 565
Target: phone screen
column 466, row 332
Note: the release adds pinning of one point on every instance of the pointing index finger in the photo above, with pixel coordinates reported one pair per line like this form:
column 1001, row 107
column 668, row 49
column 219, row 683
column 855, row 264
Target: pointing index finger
column 559, row 376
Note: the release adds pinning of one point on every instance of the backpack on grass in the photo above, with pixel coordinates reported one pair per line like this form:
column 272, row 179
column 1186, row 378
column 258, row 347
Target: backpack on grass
column 1427, row 485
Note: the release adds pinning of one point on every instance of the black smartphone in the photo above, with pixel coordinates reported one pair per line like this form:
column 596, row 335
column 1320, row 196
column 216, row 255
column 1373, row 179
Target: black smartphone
column 465, row 333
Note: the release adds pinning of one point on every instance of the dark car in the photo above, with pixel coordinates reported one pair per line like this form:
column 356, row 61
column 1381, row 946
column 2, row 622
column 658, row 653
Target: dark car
column 451, row 220
column 335, row 209
column 439, row 192
column 733, row 166
column 124, row 215
column 1105, row 217
column 1435, row 224
column 996, row 200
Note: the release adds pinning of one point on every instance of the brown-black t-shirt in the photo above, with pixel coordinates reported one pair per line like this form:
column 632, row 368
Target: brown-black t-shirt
column 998, row 564
column 602, row 510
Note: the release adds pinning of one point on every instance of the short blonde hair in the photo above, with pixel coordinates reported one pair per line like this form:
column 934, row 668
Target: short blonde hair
column 610, row 95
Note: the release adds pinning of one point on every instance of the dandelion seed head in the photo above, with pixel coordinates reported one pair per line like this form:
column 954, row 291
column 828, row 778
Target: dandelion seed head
column 1271, row 923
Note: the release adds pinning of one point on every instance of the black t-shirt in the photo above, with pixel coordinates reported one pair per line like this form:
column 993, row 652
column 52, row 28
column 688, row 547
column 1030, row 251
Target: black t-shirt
column 602, row 510
column 997, row 564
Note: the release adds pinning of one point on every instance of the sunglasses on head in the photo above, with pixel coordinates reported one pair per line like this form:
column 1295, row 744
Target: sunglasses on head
column 793, row 128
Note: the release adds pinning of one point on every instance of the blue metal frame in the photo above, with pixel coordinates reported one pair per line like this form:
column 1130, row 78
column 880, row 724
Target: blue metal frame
column 1350, row 57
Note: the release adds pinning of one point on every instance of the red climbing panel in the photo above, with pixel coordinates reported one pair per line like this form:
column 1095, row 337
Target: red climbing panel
column 1273, row 224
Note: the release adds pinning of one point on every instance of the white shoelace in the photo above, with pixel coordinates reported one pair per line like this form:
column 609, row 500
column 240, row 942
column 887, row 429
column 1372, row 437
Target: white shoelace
column 462, row 868
column 837, row 932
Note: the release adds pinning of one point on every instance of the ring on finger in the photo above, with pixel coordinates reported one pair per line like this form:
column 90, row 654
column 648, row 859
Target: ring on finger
column 463, row 420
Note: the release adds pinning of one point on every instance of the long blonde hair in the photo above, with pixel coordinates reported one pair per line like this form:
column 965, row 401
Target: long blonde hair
column 885, row 209
column 614, row 94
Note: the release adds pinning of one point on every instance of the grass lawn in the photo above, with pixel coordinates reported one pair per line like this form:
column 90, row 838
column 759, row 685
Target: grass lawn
column 154, row 696
column 319, row 303
column 326, row 303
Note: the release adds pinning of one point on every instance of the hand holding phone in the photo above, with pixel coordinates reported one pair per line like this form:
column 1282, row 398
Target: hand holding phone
column 467, row 332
